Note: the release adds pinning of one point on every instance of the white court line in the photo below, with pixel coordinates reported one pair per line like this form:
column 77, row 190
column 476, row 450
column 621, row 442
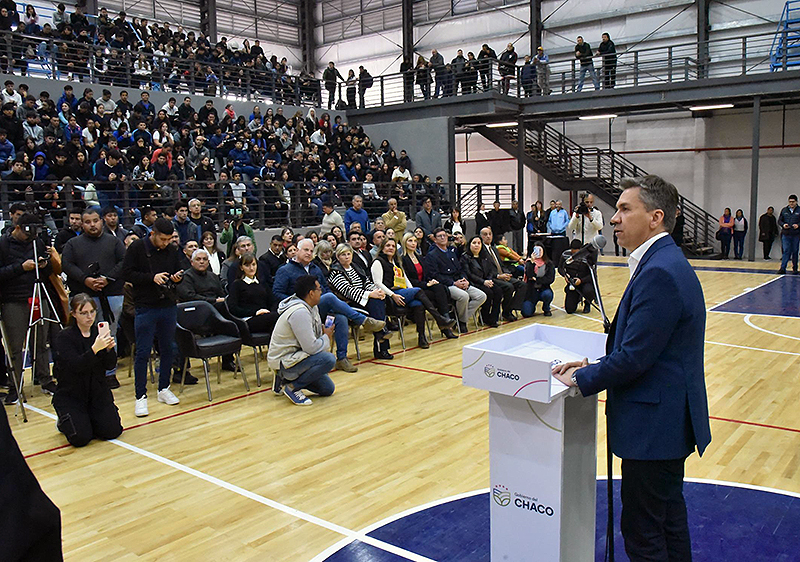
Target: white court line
column 336, row 547
column 708, row 341
column 351, row 535
column 748, row 290
column 749, row 323
column 753, row 314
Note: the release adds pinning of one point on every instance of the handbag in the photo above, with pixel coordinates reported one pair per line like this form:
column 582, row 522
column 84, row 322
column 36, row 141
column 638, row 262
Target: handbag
column 718, row 235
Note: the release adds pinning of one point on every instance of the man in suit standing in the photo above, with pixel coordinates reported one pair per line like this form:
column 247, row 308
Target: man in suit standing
column 657, row 409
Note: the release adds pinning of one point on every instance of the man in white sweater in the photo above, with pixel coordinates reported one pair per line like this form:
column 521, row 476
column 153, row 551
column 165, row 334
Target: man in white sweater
column 331, row 218
column 298, row 350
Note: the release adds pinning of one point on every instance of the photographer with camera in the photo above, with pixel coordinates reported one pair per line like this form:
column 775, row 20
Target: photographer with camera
column 18, row 276
column 152, row 266
column 586, row 221
column 233, row 227
column 578, row 276
column 93, row 264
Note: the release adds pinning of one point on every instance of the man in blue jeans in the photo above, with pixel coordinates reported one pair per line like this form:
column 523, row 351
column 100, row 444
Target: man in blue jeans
column 285, row 279
column 298, row 349
column 789, row 223
column 151, row 264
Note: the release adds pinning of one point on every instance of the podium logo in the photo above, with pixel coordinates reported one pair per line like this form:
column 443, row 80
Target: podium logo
column 501, row 495
column 489, row 371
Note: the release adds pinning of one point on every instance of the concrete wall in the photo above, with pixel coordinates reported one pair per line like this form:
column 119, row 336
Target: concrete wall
column 425, row 141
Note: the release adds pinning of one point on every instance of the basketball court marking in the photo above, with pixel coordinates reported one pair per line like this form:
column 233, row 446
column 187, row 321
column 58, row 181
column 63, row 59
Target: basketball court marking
column 330, row 551
column 734, row 297
column 351, row 535
column 778, row 297
column 750, row 323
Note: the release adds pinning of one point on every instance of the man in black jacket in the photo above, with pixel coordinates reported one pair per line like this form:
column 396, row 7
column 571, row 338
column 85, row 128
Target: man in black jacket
column 272, row 259
column 579, row 285
column 93, row 264
column 17, row 277
column 329, row 76
column 768, row 230
column 583, row 52
column 200, row 284
column 70, row 231
column 152, row 266
column 608, row 51
column 442, row 264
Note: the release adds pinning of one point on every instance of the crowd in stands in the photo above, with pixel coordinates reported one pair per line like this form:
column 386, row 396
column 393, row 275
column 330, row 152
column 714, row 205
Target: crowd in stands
column 74, row 149
column 139, row 53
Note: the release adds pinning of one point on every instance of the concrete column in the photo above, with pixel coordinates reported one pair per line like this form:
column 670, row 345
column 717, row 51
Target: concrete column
column 752, row 234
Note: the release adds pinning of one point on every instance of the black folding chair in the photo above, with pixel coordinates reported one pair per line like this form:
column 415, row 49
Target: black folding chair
column 251, row 339
column 203, row 333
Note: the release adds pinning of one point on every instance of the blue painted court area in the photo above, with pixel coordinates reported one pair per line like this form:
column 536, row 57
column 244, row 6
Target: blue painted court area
column 727, row 524
column 779, row 297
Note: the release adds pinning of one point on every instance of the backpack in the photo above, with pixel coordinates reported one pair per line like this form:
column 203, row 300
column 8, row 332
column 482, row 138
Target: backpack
column 367, row 80
column 341, row 105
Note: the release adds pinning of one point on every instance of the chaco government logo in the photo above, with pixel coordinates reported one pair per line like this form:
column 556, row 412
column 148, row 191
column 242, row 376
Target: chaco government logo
column 501, row 495
column 491, row 371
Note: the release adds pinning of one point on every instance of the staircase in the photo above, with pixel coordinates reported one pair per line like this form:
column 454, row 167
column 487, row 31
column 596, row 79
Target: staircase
column 785, row 51
column 572, row 167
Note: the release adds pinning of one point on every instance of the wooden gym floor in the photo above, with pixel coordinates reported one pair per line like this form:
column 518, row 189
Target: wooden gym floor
column 252, row 477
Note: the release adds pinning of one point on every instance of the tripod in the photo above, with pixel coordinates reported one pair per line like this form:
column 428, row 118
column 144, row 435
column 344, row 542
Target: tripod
column 35, row 324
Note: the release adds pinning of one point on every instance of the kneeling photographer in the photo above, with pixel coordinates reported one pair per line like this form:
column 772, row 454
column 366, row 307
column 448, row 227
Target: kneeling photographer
column 578, row 276
column 22, row 253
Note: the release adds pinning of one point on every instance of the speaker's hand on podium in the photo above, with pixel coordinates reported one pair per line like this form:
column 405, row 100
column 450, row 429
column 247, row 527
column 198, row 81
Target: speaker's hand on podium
column 564, row 371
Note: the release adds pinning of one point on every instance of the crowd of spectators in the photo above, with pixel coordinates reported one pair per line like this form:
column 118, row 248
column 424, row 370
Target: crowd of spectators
column 138, row 53
column 79, row 149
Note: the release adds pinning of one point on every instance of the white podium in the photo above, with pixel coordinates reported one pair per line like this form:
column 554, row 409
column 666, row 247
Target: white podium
column 542, row 439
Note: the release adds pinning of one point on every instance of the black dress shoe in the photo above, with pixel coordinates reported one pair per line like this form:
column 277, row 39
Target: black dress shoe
column 422, row 342
column 228, row 366
column 462, row 327
column 190, row 379
column 443, row 321
column 509, row 318
column 448, row 333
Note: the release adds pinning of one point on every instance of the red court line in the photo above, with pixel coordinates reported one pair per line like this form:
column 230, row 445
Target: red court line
column 757, row 424
column 416, row 369
column 64, row 446
column 197, row 409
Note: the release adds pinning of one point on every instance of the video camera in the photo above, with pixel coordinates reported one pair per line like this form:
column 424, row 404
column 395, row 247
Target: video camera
column 581, row 208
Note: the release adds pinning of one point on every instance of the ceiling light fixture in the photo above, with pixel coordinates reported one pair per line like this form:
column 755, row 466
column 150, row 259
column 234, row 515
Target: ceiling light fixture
column 710, row 107
column 590, row 117
column 499, row 125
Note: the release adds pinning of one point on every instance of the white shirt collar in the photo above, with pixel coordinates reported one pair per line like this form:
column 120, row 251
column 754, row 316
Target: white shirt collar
column 637, row 255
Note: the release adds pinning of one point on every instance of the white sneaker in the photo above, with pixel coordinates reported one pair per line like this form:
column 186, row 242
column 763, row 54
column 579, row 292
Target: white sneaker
column 167, row 397
column 140, row 410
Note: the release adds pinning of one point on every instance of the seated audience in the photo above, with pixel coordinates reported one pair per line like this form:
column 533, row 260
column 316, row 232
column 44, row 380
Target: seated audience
column 482, row 273
column 442, row 264
column 358, row 290
column 199, row 282
column 389, row 276
column 250, row 299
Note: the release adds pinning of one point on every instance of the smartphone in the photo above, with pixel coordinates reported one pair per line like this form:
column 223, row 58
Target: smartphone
column 329, row 321
column 103, row 329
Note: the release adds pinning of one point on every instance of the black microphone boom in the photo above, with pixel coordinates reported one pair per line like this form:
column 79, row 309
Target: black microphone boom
column 597, row 244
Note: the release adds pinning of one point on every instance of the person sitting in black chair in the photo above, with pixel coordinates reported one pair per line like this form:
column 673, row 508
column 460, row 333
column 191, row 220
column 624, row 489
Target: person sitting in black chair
column 579, row 279
column 389, row 276
column 482, row 273
column 83, row 401
column 357, row 290
column 250, row 299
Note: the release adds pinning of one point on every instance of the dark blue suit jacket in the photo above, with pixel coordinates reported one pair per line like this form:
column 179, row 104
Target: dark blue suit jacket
column 653, row 369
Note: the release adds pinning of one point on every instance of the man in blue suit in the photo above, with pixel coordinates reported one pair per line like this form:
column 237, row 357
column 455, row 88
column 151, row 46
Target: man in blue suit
column 653, row 372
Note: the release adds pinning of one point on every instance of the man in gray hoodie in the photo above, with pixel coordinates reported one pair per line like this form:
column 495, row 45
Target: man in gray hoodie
column 298, row 350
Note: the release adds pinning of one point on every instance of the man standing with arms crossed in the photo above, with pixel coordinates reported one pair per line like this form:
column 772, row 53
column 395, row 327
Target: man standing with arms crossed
column 657, row 409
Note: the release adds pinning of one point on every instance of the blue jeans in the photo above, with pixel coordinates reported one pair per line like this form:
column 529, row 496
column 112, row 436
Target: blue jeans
column 312, row 373
column 534, row 296
column 151, row 323
column 589, row 68
column 409, row 295
column 115, row 304
column 789, row 244
column 738, row 243
column 329, row 304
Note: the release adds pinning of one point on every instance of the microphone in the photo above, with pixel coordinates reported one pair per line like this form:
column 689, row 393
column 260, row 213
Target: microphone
column 597, row 244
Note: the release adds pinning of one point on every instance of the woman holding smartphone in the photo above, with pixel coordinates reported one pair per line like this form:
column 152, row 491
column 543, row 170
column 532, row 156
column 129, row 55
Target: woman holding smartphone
column 83, row 353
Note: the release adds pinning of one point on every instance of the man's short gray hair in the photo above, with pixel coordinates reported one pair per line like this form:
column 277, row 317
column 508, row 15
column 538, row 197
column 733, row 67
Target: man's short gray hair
column 242, row 239
column 200, row 251
column 656, row 193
